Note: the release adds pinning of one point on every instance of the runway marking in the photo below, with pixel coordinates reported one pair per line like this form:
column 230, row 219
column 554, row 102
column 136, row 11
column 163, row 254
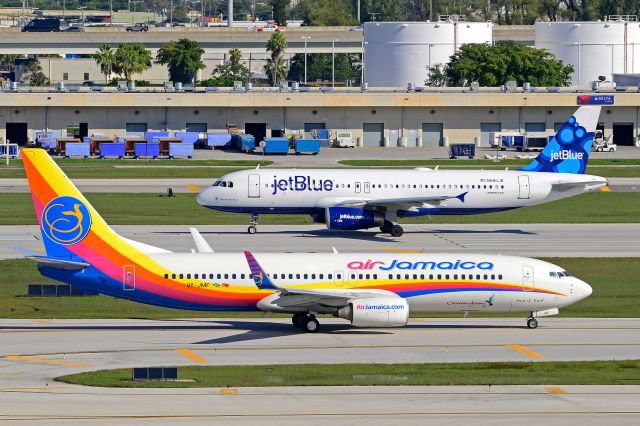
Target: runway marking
column 193, row 188
column 47, row 361
column 555, row 390
column 191, row 355
column 228, row 391
column 525, row 351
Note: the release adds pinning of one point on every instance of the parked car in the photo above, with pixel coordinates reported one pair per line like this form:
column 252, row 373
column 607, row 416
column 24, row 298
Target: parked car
column 139, row 27
column 74, row 29
column 42, row 25
column 270, row 28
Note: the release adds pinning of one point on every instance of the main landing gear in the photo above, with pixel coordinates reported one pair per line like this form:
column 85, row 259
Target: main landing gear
column 252, row 224
column 532, row 322
column 392, row 228
column 307, row 323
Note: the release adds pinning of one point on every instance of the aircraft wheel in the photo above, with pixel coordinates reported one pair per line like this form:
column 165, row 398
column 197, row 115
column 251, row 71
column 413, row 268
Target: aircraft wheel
column 599, row 149
column 298, row 320
column 251, row 230
column 311, row 325
column 386, row 227
column 532, row 323
column 396, row 231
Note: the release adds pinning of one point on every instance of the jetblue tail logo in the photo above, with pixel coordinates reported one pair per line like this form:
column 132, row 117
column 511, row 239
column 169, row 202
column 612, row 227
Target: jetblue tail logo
column 568, row 151
column 66, row 220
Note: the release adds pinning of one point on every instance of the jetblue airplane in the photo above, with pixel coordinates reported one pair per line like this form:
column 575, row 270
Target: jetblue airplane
column 351, row 199
column 367, row 289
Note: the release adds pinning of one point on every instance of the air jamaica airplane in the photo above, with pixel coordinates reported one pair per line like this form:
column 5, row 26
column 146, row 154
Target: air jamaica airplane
column 367, row 289
column 350, row 199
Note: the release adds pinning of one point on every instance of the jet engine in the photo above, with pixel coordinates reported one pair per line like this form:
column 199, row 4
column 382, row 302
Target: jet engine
column 376, row 312
column 352, row 218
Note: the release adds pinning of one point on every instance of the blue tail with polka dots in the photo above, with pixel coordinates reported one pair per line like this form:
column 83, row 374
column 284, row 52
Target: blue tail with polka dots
column 568, row 151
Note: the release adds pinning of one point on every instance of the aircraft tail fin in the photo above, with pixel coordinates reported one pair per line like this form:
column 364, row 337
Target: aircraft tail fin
column 568, row 151
column 260, row 277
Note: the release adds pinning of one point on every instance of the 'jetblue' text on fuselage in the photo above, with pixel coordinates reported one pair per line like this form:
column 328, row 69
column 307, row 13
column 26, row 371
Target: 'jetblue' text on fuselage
column 301, row 183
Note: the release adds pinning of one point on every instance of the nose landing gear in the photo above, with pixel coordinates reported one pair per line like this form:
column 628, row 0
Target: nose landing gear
column 252, row 224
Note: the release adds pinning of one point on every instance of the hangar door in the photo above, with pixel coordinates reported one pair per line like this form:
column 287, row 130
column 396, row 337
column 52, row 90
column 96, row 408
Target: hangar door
column 136, row 129
column 257, row 130
column 623, row 134
column 17, row 133
column 373, row 134
column 197, row 127
column 310, row 127
column 432, row 134
column 535, row 127
column 486, row 129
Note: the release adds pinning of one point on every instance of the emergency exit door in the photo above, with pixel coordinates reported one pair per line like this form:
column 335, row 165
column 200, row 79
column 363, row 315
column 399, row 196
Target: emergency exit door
column 129, row 277
column 524, row 189
column 254, row 186
column 527, row 278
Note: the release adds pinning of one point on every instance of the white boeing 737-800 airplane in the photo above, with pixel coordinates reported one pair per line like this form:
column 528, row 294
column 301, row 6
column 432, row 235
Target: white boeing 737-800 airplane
column 367, row 289
column 351, row 199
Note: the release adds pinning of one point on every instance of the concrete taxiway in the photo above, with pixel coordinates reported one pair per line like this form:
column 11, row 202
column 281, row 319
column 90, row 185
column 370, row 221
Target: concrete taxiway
column 555, row 240
column 33, row 352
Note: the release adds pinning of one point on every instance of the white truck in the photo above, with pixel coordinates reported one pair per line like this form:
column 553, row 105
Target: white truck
column 344, row 140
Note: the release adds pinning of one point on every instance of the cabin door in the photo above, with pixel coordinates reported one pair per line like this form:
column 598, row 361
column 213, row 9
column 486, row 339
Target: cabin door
column 367, row 187
column 524, row 189
column 527, row 278
column 128, row 277
column 254, row 186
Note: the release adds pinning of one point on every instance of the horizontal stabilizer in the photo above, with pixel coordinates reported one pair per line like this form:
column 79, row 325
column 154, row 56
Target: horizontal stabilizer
column 59, row 264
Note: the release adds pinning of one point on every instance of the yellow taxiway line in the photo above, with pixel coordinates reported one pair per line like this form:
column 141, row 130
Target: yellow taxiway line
column 192, row 356
column 529, row 353
column 47, row 361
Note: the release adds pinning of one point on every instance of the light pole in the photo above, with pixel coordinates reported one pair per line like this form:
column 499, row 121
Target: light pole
column 305, row 38
column 333, row 62
column 82, row 8
column 362, row 66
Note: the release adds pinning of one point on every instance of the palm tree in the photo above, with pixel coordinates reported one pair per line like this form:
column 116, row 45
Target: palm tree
column 276, row 45
column 106, row 59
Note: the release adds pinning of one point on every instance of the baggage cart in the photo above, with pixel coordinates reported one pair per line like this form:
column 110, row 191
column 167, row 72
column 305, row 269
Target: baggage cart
column 462, row 150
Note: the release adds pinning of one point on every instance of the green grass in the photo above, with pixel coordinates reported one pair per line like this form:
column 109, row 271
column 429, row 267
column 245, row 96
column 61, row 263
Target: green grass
column 131, row 169
column 157, row 209
column 614, row 282
column 483, row 373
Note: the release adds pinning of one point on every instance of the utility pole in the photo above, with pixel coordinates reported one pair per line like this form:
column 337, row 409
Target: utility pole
column 333, row 62
column 305, row 38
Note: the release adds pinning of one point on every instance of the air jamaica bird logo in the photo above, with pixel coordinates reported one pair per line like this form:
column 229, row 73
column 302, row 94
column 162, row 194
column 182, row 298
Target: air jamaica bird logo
column 489, row 301
column 257, row 278
column 66, row 220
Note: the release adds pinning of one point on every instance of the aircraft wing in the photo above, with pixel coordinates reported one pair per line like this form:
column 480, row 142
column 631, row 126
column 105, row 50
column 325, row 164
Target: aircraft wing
column 296, row 297
column 400, row 201
column 566, row 186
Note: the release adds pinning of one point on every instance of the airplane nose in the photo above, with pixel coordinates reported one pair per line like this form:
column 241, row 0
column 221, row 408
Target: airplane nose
column 202, row 197
column 583, row 290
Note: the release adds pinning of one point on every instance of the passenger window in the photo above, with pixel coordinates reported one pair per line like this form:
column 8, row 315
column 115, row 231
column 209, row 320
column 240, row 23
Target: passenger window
column 242, row 276
column 477, row 276
column 188, row 276
column 375, row 276
column 297, row 276
column 485, row 276
column 181, row 276
column 415, row 276
column 195, row 276
column 226, row 276
column 430, row 276
column 398, row 276
column 305, row 276
column 313, row 276
column 166, row 276
column 439, row 276
column 329, row 276
column 455, row 276
column 493, row 277
column 390, row 276
column 339, row 276
column 173, row 276
column 321, row 276
column 233, row 276
column 500, row 276
column 219, row 276
column 446, row 277
column 290, row 276
column 422, row 276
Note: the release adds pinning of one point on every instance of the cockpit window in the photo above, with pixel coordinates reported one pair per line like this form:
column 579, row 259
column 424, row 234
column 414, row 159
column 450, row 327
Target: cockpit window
column 553, row 274
column 223, row 184
column 217, row 183
column 566, row 274
column 230, row 184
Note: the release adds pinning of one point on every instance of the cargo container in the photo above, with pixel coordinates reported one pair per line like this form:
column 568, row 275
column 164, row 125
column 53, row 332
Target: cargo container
column 218, row 140
column 462, row 150
column 275, row 146
column 147, row 149
column 76, row 149
column 112, row 149
column 307, row 146
column 243, row 142
column 179, row 149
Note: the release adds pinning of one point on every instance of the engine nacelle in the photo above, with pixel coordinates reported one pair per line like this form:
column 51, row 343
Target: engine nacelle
column 376, row 312
column 352, row 218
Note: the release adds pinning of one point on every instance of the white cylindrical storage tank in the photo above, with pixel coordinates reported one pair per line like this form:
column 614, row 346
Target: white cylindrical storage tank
column 399, row 53
column 593, row 48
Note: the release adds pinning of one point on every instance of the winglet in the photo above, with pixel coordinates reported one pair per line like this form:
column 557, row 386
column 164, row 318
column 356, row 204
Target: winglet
column 260, row 278
column 461, row 196
column 200, row 242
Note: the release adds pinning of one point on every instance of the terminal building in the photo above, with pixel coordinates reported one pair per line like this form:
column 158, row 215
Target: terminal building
column 378, row 117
